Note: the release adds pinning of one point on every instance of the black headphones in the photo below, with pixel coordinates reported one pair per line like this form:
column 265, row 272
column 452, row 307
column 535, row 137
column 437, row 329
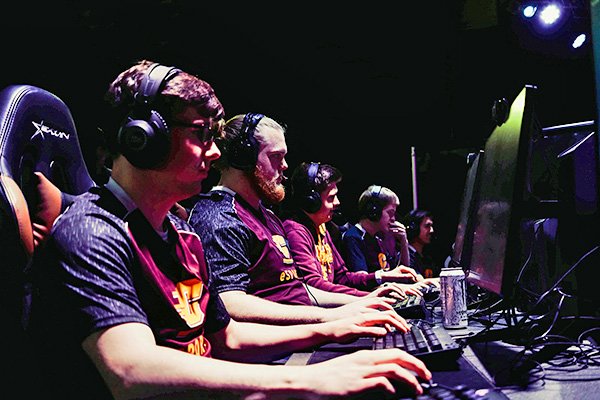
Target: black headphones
column 413, row 224
column 242, row 151
column 373, row 208
column 311, row 200
column 144, row 136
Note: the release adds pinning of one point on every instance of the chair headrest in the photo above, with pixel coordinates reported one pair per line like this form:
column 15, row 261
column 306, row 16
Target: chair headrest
column 37, row 133
column 38, row 140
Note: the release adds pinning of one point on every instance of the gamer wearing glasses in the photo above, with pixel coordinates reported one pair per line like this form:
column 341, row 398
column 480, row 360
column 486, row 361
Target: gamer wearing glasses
column 121, row 304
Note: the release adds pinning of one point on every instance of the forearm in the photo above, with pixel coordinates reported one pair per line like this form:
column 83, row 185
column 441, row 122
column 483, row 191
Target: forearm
column 250, row 342
column 404, row 252
column 249, row 308
column 339, row 287
column 133, row 366
column 359, row 280
column 166, row 374
column 329, row 299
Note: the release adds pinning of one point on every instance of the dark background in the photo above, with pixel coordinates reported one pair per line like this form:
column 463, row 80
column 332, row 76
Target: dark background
column 357, row 85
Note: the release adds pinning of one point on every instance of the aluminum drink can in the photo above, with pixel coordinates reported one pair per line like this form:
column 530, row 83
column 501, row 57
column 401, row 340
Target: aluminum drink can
column 454, row 298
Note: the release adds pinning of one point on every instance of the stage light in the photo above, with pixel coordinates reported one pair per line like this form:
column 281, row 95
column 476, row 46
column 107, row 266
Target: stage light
column 529, row 11
column 550, row 14
column 579, row 40
column 557, row 27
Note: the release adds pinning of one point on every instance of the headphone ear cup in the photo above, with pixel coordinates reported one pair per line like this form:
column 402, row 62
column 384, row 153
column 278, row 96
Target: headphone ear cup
column 242, row 154
column 412, row 230
column 373, row 212
column 145, row 141
column 311, row 203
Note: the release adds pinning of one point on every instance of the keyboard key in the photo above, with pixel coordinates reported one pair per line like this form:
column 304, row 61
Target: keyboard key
column 420, row 340
column 429, row 343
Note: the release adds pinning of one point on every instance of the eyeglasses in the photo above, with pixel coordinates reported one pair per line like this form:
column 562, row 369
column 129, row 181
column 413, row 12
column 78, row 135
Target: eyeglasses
column 206, row 132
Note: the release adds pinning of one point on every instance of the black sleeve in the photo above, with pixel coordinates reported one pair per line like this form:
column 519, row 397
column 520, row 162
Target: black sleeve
column 216, row 309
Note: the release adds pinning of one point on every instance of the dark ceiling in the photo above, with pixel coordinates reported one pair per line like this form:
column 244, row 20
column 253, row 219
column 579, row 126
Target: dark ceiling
column 356, row 85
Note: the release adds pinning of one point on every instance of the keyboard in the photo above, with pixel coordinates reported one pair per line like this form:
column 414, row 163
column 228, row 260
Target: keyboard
column 411, row 307
column 430, row 343
column 431, row 293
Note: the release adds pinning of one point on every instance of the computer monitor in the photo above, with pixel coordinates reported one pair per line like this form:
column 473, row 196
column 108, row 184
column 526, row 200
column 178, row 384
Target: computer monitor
column 461, row 249
column 497, row 211
column 547, row 151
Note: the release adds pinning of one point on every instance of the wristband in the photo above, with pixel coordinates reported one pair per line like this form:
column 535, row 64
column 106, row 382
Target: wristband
column 378, row 277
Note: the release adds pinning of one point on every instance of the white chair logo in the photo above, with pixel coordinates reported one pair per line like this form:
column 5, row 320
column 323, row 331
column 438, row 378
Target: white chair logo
column 43, row 129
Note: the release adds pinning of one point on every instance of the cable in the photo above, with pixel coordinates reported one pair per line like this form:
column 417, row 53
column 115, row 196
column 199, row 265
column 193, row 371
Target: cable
column 558, row 307
column 582, row 334
column 571, row 268
column 558, row 281
column 537, row 226
column 301, row 277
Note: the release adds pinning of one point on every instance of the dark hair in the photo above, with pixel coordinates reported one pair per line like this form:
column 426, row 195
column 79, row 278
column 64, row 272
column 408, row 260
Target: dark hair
column 412, row 221
column 299, row 189
column 326, row 175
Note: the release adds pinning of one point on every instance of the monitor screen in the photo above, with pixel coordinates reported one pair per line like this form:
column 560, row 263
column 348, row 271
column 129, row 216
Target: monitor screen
column 497, row 211
column 461, row 249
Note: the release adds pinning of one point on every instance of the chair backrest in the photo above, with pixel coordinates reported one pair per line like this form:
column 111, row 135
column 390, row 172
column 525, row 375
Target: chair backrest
column 40, row 164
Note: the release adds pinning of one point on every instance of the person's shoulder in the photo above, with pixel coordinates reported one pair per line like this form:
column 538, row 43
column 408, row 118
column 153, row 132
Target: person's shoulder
column 179, row 223
column 294, row 228
column 87, row 216
column 352, row 233
column 214, row 198
column 79, row 207
column 212, row 206
column 291, row 224
column 215, row 210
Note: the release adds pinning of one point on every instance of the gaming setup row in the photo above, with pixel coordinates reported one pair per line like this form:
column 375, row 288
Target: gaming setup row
column 527, row 233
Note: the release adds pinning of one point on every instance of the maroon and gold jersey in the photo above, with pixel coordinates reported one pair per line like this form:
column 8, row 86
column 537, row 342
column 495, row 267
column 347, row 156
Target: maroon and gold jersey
column 246, row 249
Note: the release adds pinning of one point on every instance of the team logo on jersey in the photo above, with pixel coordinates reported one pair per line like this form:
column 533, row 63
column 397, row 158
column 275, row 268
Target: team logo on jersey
column 283, row 248
column 382, row 258
column 199, row 346
column 324, row 253
column 188, row 295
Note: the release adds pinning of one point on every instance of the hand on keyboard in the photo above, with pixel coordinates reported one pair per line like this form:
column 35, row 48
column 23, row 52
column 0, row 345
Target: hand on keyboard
column 366, row 372
column 389, row 289
column 401, row 273
column 428, row 288
column 430, row 343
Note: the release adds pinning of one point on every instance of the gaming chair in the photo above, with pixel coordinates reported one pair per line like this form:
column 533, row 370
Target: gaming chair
column 41, row 166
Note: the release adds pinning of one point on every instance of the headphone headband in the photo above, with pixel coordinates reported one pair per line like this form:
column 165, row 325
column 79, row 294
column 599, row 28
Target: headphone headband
column 313, row 170
column 376, row 191
column 156, row 77
column 251, row 120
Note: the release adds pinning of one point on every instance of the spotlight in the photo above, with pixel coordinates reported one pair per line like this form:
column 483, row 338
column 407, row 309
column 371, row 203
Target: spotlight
column 579, row 40
column 529, row 11
column 550, row 14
